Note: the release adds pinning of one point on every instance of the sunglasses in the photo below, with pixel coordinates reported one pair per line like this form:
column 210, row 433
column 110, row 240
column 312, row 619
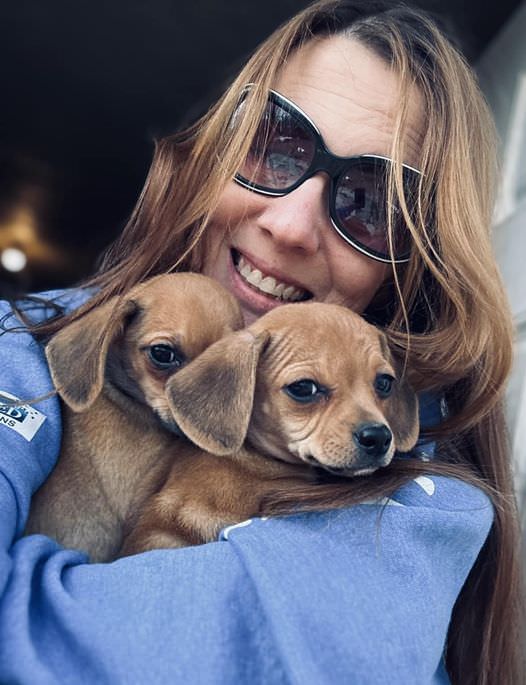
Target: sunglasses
column 288, row 149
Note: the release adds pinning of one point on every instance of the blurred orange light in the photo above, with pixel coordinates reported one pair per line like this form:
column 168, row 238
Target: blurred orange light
column 19, row 231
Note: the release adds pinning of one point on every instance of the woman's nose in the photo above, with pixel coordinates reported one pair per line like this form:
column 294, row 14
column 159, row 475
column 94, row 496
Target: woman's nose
column 296, row 220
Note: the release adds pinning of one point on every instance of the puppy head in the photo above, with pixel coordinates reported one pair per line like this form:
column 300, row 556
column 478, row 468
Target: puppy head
column 307, row 383
column 329, row 393
column 136, row 342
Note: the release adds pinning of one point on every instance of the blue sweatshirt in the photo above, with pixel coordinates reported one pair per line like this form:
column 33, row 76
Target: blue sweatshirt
column 362, row 595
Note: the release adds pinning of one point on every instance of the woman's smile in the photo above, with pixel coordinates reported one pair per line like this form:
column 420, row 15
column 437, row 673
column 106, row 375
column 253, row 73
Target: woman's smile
column 274, row 287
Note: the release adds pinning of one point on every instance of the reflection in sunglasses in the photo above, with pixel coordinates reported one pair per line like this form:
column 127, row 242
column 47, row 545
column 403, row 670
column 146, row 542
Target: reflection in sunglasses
column 288, row 149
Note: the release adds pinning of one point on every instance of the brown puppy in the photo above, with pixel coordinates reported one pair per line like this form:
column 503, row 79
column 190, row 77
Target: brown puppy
column 110, row 367
column 307, row 387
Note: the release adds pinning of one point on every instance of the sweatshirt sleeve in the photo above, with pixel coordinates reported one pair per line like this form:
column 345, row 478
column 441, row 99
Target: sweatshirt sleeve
column 29, row 435
column 357, row 595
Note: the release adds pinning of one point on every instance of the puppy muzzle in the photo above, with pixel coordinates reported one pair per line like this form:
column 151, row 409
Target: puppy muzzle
column 372, row 449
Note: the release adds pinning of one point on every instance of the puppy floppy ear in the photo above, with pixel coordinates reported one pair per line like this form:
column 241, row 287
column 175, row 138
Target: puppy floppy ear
column 211, row 398
column 401, row 408
column 77, row 354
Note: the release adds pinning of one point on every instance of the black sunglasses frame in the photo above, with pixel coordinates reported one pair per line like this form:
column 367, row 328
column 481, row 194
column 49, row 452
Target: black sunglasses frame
column 334, row 166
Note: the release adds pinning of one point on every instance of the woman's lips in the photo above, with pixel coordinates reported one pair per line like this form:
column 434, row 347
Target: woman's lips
column 266, row 285
column 252, row 298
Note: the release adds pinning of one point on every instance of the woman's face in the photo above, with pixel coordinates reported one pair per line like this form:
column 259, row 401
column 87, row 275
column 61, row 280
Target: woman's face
column 351, row 95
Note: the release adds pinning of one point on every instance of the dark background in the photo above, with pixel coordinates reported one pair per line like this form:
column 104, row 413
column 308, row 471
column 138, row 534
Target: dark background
column 85, row 88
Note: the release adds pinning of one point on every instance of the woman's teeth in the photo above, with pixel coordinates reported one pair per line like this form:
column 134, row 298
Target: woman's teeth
column 268, row 284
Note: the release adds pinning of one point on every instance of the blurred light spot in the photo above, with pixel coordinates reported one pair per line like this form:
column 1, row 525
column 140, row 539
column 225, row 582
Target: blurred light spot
column 19, row 231
column 13, row 259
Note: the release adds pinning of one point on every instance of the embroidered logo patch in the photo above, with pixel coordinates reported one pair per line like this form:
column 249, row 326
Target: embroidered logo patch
column 24, row 419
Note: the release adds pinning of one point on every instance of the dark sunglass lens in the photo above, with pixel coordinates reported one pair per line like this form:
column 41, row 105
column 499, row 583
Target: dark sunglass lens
column 361, row 208
column 281, row 152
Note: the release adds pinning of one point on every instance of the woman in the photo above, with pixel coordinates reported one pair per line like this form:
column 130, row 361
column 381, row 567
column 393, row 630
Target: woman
column 256, row 194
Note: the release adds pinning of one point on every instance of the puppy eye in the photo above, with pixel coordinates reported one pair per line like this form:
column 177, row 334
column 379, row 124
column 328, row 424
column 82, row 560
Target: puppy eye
column 383, row 385
column 306, row 390
column 165, row 356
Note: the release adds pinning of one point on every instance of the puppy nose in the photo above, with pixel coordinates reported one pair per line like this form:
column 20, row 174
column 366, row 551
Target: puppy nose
column 373, row 439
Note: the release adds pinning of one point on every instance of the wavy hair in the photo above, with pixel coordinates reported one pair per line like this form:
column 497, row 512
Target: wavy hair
column 445, row 311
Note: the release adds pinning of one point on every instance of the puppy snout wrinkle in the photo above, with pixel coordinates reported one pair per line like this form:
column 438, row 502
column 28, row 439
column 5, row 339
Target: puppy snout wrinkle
column 373, row 439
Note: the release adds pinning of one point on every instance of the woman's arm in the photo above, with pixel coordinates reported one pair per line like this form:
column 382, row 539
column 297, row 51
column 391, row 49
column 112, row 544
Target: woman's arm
column 361, row 595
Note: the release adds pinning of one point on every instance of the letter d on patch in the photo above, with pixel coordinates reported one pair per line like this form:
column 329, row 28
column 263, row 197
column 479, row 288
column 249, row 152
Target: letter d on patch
column 24, row 419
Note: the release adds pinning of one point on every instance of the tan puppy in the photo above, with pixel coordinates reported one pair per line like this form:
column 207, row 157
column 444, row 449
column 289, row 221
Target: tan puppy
column 307, row 387
column 110, row 367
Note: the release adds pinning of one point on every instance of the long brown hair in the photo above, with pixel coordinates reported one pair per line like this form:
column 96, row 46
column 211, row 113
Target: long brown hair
column 445, row 311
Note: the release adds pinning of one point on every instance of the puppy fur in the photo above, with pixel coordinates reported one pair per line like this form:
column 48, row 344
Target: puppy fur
column 119, row 432
column 251, row 436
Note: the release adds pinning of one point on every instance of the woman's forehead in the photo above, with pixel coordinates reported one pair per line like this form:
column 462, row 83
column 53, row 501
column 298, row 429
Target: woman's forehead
column 353, row 97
